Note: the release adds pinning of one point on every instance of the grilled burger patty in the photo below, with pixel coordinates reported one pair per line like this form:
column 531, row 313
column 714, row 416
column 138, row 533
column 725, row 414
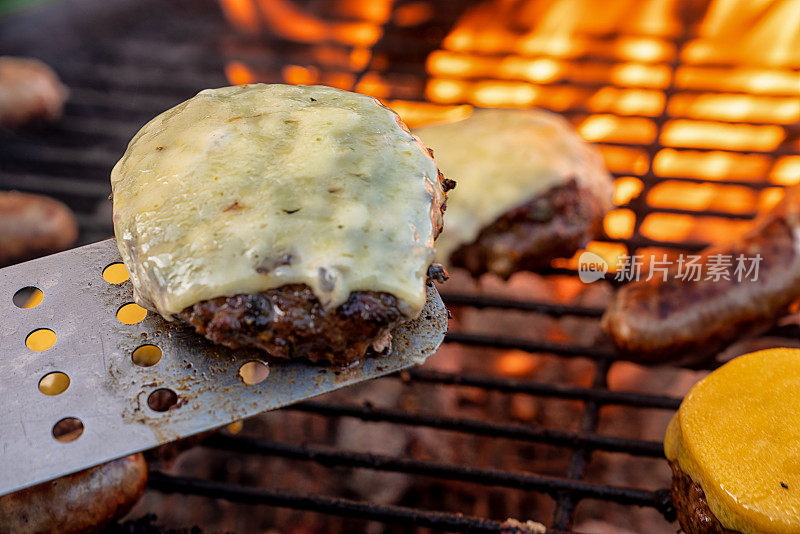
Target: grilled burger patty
column 690, row 502
column 529, row 190
column 290, row 322
column 733, row 445
column 297, row 220
column 552, row 225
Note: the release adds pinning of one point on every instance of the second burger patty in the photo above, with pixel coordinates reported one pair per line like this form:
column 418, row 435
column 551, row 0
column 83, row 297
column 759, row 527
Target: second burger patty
column 290, row 322
column 694, row 514
column 552, row 225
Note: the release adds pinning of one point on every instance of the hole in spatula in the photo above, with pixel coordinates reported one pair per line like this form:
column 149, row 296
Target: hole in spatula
column 253, row 372
column 54, row 383
column 131, row 313
column 40, row 339
column 147, row 355
column 68, row 429
column 27, row 297
column 162, row 400
column 116, row 273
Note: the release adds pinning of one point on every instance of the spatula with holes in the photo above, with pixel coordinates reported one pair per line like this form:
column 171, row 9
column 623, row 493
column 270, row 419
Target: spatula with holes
column 88, row 376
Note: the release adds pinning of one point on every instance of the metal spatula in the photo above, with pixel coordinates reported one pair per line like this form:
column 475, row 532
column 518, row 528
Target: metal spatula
column 110, row 405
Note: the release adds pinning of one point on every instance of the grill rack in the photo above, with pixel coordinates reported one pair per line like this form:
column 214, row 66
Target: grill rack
column 121, row 78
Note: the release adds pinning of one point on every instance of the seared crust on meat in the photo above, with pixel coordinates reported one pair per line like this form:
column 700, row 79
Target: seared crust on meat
column 290, row 322
column 690, row 321
column 81, row 502
column 555, row 224
column 690, row 502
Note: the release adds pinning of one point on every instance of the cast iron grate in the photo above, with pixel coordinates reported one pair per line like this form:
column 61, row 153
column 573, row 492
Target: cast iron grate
column 126, row 61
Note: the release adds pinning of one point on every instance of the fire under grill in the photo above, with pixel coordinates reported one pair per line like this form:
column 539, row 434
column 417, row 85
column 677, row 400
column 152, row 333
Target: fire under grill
column 698, row 138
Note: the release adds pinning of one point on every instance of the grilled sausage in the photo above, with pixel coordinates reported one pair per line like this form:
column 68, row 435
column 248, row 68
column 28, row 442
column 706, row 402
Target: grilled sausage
column 690, row 321
column 82, row 502
column 33, row 226
column 29, row 90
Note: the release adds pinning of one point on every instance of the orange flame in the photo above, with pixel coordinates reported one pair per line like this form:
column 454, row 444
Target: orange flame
column 609, row 64
column 242, row 14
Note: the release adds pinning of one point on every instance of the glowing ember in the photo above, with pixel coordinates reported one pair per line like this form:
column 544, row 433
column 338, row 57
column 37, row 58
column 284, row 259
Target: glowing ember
column 627, row 101
column 786, row 171
column 710, row 165
column 619, row 129
column 697, row 197
column 780, row 110
column 619, row 223
column 297, row 75
column 717, row 135
column 626, row 189
column 238, row 73
column 517, row 363
column 416, row 114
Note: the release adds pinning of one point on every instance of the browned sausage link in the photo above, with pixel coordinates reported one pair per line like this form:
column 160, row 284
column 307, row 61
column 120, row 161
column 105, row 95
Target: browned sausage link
column 82, row 502
column 29, row 90
column 690, row 321
column 32, row 226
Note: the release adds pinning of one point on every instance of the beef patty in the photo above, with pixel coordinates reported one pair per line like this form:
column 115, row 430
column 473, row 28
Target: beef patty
column 555, row 224
column 690, row 502
column 290, row 322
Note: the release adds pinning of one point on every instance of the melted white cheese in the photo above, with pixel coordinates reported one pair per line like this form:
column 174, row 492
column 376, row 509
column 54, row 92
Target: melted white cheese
column 502, row 159
column 248, row 188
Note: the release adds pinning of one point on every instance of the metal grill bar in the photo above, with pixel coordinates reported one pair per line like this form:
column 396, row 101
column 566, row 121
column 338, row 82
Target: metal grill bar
column 567, row 501
column 598, row 395
column 490, row 477
column 484, row 428
column 553, row 310
column 507, row 342
column 328, row 505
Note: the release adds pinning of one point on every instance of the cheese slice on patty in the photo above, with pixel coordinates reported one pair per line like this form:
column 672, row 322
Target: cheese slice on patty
column 737, row 434
column 502, row 159
column 248, row 188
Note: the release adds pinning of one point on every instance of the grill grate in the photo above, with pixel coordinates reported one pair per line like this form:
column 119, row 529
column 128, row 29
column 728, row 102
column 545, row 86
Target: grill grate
column 126, row 61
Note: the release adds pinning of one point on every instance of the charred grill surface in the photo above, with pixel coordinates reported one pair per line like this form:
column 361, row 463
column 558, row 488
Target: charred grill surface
column 290, row 322
column 552, row 225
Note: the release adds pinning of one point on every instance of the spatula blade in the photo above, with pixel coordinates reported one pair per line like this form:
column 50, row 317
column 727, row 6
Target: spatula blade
column 108, row 393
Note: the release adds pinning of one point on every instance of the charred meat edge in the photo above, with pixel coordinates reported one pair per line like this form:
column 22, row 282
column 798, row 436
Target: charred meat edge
column 552, row 225
column 290, row 322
